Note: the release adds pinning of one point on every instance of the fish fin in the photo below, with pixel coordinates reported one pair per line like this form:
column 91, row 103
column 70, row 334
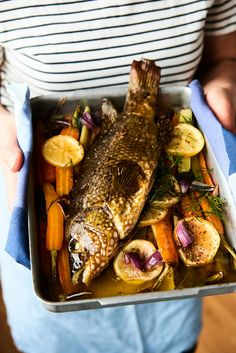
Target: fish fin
column 127, row 178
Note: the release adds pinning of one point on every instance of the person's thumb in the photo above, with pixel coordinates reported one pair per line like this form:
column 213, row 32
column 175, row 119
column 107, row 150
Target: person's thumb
column 15, row 158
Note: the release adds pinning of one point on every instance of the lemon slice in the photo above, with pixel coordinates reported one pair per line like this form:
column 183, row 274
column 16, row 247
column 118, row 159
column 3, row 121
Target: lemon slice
column 128, row 272
column 151, row 215
column 205, row 242
column 185, row 140
column 62, row 151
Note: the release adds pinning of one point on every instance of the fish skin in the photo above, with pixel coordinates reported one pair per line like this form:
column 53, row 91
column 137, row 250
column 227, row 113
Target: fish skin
column 117, row 175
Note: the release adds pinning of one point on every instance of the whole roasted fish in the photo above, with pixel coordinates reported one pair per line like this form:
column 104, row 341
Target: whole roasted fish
column 116, row 177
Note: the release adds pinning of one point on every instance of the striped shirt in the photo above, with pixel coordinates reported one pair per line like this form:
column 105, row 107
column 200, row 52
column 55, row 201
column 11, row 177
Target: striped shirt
column 62, row 46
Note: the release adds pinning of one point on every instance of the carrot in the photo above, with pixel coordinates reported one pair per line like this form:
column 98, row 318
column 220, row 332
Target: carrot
column 64, row 271
column 64, row 176
column 175, row 119
column 47, row 171
column 55, row 224
column 206, row 207
column 64, row 180
column 70, row 131
column 204, row 170
column 189, row 206
column 163, row 233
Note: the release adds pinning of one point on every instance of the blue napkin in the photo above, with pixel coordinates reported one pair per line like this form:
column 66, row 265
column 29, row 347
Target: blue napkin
column 222, row 141
column 17, row 244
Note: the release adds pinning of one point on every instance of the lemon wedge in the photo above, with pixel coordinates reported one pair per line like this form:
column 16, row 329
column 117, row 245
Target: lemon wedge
column 185, row 140
column 62, row 151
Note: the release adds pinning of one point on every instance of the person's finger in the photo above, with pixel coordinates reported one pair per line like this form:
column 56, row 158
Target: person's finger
column 220, row 101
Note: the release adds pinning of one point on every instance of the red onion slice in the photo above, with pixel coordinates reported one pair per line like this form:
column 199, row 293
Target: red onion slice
column 153, row 260
column 184, row 236
column 184, row 184
column 133, row 259
column 90, row 121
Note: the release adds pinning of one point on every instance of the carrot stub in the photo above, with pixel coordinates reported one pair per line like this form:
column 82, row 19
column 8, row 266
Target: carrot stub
column 163, row 233
column 70, row 131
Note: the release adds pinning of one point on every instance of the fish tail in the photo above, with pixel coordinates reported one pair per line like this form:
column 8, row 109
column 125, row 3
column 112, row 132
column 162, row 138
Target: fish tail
column 144, row 76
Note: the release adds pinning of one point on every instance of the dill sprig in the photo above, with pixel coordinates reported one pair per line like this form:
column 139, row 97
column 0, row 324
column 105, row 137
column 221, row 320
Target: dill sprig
column 175, row 160
column 216, row 205
column 163, row 187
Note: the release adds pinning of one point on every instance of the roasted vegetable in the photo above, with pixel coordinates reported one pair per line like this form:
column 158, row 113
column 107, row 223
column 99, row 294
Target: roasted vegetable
column 197, row 241
column 138, row 262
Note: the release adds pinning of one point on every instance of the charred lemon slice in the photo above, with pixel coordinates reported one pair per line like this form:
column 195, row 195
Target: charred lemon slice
column 138, row 262
column 185, row 140
column 197, row 241
column 151, row 215
column 62, row 151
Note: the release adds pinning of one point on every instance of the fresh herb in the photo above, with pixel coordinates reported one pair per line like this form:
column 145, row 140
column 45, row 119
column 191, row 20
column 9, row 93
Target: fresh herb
column 216, row 204
column 175, row 160
column 163, row 187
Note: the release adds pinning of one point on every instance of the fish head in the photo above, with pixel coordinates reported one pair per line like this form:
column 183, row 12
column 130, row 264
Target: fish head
column 93, row 242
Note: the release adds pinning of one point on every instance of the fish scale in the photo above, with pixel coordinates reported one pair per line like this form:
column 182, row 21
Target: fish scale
column 117, row 174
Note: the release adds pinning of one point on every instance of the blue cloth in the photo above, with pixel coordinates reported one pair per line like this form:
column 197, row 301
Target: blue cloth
column 17, row 244
column 222, row 141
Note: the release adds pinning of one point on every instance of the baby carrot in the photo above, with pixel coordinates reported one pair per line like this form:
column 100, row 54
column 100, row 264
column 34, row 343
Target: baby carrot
column 163, row 233
column 70, row 131
column 55, row 224
column 64, row 176
column 64, row 180
column 64, row 270
column 204, row 170
column 207, row 210
column 189, row 206
column 47, row 171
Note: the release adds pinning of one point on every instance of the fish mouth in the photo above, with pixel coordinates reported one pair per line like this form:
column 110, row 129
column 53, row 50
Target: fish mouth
column 94, row 241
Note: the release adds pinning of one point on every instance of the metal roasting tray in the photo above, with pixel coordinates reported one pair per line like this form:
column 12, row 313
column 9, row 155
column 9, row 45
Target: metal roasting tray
column 179, row 96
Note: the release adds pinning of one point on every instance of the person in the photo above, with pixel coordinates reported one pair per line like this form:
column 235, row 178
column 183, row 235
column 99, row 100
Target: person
column 59, row 47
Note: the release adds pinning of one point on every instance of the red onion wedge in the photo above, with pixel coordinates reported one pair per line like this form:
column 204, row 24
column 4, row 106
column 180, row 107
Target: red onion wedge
column 92, row 122
column 184, row 185
column 153, row 260
column 134, row 259
column 183, row 235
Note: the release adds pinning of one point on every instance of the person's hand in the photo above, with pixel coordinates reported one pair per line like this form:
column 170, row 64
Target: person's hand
column 221, row 98
column 11, row 157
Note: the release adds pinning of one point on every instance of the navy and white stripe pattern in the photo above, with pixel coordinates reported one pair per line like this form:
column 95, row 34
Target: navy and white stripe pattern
column 65, row 46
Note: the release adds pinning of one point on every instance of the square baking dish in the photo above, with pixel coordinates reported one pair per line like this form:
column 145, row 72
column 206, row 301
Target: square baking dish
column 175, row 96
